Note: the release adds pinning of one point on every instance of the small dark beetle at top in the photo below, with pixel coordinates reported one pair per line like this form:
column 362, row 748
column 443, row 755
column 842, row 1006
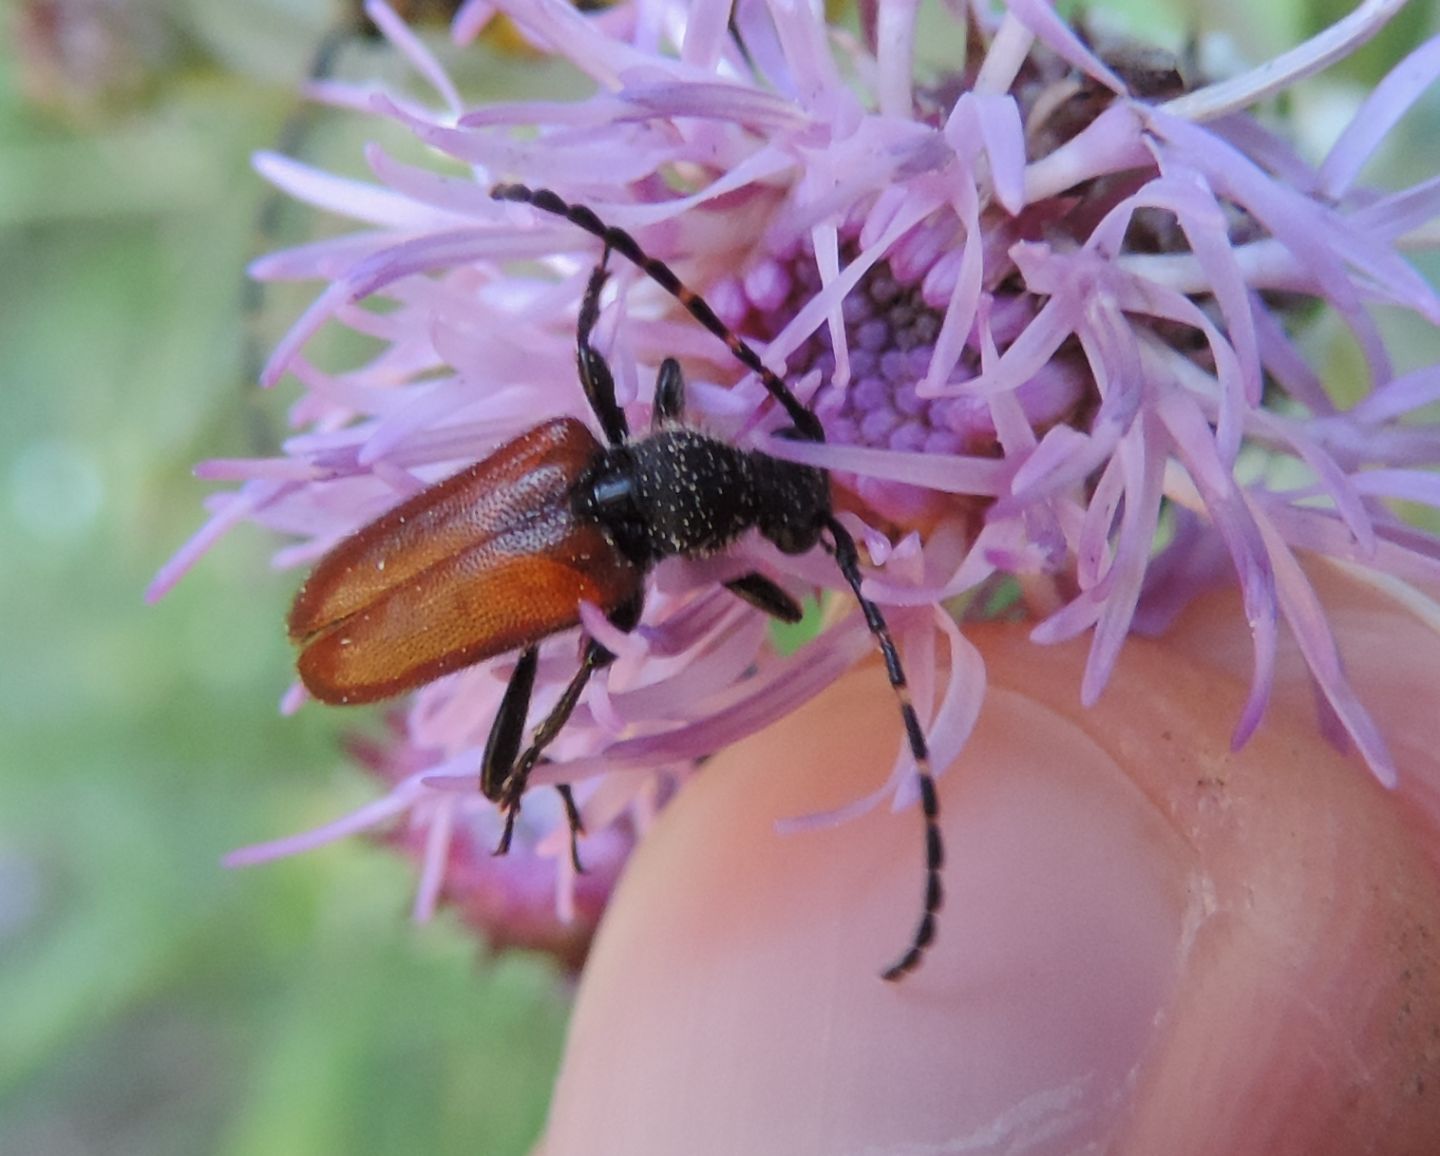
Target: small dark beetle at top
column 501, row 555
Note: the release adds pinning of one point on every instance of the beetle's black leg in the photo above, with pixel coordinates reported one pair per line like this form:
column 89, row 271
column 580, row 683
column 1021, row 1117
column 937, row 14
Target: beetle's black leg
column 669, row 395
column 512, row 790
column 508, row 729
column 765, row 595
column 511, row 787
column 848, row 560
column 595, row 375
column 503, row 746
column 576, row 824
column 623, row 243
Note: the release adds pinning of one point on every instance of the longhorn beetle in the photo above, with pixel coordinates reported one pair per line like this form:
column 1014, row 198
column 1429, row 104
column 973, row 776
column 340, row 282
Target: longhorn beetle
column 500, row 556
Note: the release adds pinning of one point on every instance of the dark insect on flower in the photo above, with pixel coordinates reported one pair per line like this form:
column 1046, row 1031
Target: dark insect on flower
column 501, row 555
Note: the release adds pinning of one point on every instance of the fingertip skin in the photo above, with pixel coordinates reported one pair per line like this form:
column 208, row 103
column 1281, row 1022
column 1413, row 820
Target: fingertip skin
column 1152, row 944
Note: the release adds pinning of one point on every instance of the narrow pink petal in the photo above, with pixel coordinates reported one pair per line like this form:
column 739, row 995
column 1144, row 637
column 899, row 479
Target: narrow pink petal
column 1144, row 470
column 1422, row 486
column 557, row 26
column 327, row 258
column 471, row 19
column 342, row 196
column 955, row 474
column 1316, row 54
column 1093, row 552
column 434, row 860
column 1382, row 109
column 1340, row 486
column 737, row 104
column 707, row 34
column 1042, row 19
column 964, row 696
column 1395, row 215
column 1309, row 622
column 818, row 85
column 1231, row 517
column 1400, row 396
column 1284, row 361
column 1313, row 236
column 1111, row 143
column 398, row 33
column 964, row 303
column 895, row 57
column 309, row 323
column 232, row 509
column 769, row 696
column 247, row 469
column 399, row 800
column 454, row 201
column 1188, row 195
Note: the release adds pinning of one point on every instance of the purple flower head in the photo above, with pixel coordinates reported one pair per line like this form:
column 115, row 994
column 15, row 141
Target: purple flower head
column 1053, row 304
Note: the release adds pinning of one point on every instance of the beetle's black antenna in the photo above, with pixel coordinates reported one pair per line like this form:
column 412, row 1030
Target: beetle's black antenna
column 805, row 422
column 595, row 377
column 847, row 558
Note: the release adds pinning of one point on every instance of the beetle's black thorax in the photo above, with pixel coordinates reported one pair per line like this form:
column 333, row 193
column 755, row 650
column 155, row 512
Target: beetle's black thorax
column 679, row 491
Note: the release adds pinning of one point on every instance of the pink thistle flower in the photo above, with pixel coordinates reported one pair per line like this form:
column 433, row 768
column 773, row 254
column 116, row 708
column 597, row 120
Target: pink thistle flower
column 1050, row 306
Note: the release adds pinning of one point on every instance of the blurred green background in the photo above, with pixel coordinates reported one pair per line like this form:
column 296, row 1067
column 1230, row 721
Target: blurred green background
column 152, row 1002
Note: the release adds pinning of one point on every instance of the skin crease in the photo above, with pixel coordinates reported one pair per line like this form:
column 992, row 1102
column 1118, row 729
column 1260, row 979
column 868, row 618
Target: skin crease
column 1150, row 943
